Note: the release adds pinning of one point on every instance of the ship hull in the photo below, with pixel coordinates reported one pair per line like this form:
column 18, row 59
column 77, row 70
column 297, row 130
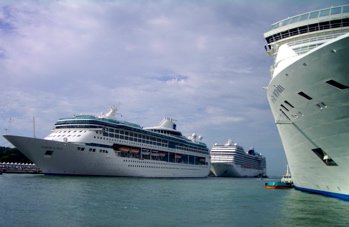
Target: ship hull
column 312, row 116
column 232, row 170
column 60, row 158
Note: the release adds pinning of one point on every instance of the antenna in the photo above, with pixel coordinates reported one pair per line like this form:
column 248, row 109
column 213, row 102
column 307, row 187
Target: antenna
column 34, row 127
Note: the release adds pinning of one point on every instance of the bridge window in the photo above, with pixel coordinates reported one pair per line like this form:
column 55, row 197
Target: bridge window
column 304, row 16
column 345, row 9
column 325, row 12
column 336, row 10
column 314, row 14
column 309, row 28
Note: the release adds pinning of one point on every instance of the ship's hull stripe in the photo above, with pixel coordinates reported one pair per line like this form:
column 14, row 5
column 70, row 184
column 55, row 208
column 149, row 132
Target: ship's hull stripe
column 330, row 194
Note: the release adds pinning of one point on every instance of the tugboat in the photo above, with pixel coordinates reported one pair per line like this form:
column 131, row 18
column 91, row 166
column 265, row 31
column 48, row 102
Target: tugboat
column 286, row 182
column 287, row 177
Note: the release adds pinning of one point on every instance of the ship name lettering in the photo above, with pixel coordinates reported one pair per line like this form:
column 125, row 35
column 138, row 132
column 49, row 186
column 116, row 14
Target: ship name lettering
column 51, row 148
column 276, row 92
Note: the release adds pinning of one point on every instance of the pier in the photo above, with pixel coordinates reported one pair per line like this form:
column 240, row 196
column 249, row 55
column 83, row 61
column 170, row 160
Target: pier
column 14, row 167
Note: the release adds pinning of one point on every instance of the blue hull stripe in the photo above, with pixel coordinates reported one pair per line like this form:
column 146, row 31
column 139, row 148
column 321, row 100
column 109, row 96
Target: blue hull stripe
column 331, row 194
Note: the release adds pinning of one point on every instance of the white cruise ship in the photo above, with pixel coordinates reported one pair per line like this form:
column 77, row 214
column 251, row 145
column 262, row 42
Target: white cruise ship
column 309, row 97
column 230, row 160
column 91, row 145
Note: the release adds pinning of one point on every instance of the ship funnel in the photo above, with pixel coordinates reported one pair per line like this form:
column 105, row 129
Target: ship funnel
column 229, row 142
column 195, row 137
column 168, row 123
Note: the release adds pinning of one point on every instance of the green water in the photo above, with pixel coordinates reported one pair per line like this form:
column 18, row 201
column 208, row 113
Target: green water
column 39, row 200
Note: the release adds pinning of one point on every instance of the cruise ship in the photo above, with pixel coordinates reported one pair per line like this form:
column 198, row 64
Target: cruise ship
column 230, row 160
column 309, row 97
column 105, row 146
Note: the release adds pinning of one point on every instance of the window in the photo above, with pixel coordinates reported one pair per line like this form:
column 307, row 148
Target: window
column 314, row 14
column 305, row 95
column 284, row 107
column 324, row 12
column 321, row 105
column 294, row 19
column 337, row 84
column 304, row 16
column 325, row 158
column 48, row 153
column 289, row 104
column 284, row 114
column 336, row 10
column 346, row 9
column 324, row 25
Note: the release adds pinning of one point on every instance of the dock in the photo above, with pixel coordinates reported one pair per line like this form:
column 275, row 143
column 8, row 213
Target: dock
column 14, row 167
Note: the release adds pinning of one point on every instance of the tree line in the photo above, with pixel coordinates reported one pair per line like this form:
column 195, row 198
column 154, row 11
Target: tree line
column 8, row 154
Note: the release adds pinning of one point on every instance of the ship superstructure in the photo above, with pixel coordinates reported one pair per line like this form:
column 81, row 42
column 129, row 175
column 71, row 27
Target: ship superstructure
column 309, row 97
column 92, row 145
column 230, row 160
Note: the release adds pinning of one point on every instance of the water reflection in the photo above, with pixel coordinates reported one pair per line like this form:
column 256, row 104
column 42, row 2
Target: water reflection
column 305, row 209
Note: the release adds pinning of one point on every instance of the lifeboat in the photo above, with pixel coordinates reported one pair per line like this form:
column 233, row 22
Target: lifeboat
column 124, row 149
column 134, row 150
column 162, row 154
column 178, row 156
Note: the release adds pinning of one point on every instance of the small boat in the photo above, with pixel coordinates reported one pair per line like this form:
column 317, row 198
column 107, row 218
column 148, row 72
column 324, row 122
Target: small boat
column 287, row 177
column 278, row 185
column 285, row 182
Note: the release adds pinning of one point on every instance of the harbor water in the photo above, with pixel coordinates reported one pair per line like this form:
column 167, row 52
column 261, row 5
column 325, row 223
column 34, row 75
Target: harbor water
column 39, row 200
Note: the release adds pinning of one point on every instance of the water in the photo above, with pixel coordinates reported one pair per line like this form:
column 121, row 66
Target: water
column 39, row 200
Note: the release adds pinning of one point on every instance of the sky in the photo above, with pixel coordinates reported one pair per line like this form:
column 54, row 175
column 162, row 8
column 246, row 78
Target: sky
column 201, row 63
